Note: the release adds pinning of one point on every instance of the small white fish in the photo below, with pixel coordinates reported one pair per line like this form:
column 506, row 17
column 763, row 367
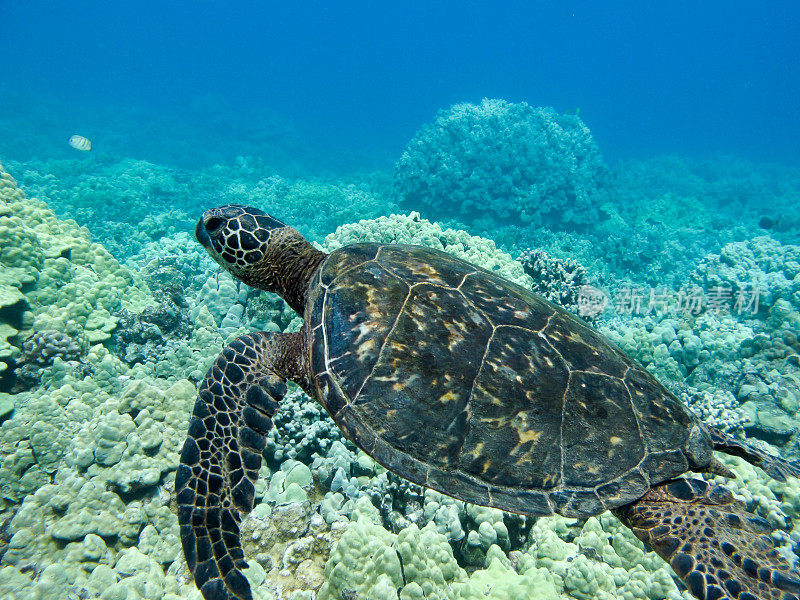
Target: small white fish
column 80, row 143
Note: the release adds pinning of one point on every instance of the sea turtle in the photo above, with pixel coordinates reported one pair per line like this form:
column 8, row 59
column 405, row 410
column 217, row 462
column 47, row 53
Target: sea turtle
column 461, row 381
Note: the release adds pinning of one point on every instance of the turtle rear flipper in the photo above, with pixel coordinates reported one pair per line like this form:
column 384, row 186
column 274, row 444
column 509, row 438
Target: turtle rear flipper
column 718, row 549
column 775, row 466
column 221, row 458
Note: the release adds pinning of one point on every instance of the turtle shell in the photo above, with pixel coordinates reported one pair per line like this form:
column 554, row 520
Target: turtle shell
column 459, row 380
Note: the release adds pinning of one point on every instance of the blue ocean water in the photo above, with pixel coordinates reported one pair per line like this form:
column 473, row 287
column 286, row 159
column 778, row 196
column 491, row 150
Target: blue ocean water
column 356, row 79
column 635, row 164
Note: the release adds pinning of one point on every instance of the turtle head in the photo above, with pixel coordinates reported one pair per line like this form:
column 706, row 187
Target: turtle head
column 259, row 250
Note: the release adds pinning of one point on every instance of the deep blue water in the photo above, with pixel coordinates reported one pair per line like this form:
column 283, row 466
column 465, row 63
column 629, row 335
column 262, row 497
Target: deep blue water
column 355, row 80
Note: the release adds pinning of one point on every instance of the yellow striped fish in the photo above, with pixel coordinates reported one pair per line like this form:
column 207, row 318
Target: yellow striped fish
column 80, row 143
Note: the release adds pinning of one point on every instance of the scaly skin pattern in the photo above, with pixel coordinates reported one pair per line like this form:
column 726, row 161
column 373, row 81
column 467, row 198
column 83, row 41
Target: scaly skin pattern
column 718, row 549
column 222, row 455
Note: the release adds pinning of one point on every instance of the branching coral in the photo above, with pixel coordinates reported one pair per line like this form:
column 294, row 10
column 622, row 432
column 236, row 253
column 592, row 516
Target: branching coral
column 556, row 280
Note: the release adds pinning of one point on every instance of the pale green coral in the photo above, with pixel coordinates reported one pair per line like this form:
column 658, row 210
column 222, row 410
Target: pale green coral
column 32, row 443
column 502, row 582
column 224, row 298
column 412, row 229
column 16, row 319
column 445, row 513
column 487, row 529
column 373, row 563
column 672, row 347
column 21, row 248
column 114, row 441
column 70, row 284
column 132, row 440
column 603, row 560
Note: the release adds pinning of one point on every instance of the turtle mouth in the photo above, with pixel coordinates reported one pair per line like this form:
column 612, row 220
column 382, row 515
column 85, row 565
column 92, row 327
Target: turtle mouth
column 201, row 235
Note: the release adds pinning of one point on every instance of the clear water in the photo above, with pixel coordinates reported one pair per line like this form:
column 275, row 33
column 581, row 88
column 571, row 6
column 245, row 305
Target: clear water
column 659, row 192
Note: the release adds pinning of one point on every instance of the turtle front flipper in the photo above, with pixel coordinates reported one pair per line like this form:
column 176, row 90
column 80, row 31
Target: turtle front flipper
column 718, row 549
column 222, row 455
column 775, row 466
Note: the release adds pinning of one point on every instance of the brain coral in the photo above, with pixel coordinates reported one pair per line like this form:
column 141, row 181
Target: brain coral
column 513, row 161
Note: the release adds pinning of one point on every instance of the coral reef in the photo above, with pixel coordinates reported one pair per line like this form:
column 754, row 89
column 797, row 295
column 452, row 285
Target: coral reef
column 557, row 280
column 128, row 204
column 504, row 162
column 89, row 442
column 38, row 351
column 762, row 265
column 412, row 229
column 315, row 208
column 54, row 278
column 742, row 375
column 724, row 191
column 664, row 215
column 124, row 203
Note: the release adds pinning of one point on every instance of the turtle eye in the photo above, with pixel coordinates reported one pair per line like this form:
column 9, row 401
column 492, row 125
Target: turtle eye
column 213, row 224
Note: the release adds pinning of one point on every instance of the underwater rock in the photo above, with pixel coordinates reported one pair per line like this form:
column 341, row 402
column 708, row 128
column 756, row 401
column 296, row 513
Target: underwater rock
column 779, row 337
column 141, row 337
column 769, row 423
column 337, row 463
column 6, row 406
